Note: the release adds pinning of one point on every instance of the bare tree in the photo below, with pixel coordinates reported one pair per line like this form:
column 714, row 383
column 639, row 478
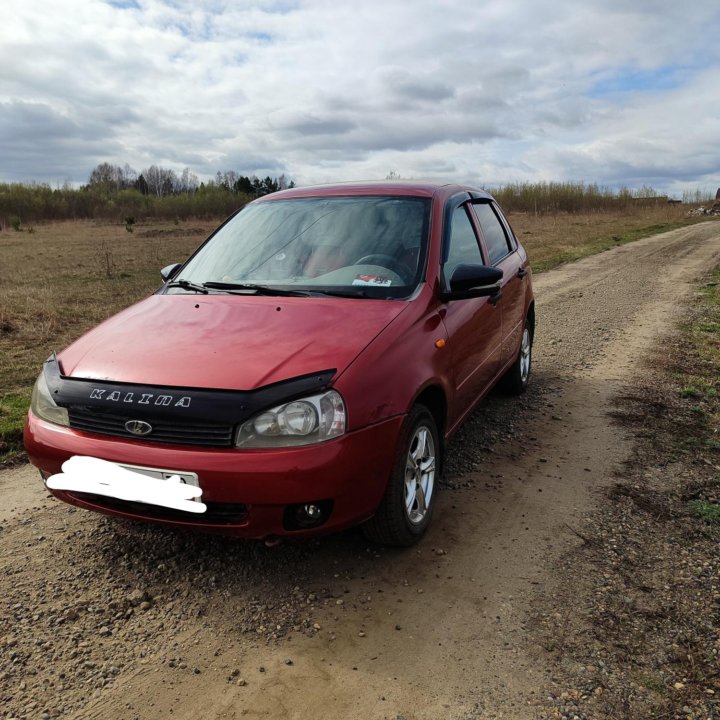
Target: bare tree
column 160, row 181
column 188, row 181
column 129, row 176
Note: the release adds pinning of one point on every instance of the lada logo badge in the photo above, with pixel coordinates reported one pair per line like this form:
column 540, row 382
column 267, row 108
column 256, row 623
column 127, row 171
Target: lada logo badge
column 138, row 427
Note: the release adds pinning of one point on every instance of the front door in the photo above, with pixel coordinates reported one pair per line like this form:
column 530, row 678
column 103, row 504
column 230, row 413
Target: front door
column 503, row 254
column 474, row 325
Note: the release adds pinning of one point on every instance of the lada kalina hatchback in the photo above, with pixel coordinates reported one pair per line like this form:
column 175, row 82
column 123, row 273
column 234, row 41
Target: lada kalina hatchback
column 300, row 373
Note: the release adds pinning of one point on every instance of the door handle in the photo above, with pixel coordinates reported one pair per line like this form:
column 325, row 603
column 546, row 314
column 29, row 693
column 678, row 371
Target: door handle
column 522, row 272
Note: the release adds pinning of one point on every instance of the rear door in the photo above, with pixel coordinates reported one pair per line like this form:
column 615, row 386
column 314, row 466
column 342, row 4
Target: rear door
column 502, row 252
column 474, row 325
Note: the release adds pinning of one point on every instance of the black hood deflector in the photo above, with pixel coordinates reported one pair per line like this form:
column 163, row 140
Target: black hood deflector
column 155, row 401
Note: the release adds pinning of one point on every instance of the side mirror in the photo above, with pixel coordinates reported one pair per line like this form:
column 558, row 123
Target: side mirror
column 470, row 281
column 169, row 271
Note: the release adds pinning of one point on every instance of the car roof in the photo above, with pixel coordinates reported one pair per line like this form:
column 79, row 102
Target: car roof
column 401, row 188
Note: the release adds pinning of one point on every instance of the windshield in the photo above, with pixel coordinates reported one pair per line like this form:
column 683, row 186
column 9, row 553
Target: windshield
column 361, row 243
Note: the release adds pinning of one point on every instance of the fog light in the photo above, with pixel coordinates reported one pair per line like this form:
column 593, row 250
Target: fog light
column 305, row 516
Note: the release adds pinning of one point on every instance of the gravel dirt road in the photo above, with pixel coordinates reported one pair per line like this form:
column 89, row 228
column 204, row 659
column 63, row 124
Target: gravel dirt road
column 101, row 618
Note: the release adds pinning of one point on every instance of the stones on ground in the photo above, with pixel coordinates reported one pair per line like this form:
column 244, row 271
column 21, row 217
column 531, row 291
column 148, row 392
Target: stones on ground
column 137, row 596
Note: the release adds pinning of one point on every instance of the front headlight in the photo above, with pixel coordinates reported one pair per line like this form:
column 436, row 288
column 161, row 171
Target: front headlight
column 300, row 422
column 43, row 405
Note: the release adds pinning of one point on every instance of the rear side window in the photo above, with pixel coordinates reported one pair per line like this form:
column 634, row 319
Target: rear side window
column 493, row 232
column 463, row 248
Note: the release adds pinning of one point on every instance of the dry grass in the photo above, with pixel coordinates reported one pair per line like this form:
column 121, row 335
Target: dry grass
column 65, row 277
column 553, row 239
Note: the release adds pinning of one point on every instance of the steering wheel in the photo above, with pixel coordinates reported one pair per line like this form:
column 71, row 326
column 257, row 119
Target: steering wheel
column 389, row 262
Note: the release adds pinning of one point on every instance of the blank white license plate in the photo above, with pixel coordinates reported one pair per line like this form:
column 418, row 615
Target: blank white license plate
column 189, row 478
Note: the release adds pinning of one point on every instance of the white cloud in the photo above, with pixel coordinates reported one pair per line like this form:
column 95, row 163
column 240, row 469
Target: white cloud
column 321, row 90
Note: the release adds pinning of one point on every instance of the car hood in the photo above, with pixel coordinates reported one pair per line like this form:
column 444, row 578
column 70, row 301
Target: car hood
column 229, row 342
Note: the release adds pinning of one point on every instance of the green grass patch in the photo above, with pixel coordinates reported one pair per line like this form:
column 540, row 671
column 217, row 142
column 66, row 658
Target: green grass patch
column 13, row 409
column 689, row 391
column 705, row 510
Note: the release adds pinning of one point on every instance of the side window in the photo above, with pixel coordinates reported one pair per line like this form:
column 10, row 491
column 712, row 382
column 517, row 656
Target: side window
column 493, row 232
column 464, row 248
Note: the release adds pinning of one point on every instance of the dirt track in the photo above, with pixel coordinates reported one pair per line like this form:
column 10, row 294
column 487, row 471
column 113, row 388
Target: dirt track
column 105, row 619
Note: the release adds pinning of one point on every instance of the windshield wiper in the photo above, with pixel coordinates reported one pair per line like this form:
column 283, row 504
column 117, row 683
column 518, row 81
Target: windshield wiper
column 187, row 285
column 244, row 288
column 258, row 289
column 343, row 293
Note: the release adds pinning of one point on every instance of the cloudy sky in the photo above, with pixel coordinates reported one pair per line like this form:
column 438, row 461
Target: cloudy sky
column 619, row 92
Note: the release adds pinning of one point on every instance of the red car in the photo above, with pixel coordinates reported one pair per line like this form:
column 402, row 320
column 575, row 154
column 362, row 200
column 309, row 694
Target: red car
column 301, row 372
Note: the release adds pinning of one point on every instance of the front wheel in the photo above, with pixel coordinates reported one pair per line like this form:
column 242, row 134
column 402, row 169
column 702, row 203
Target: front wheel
column 406, row 508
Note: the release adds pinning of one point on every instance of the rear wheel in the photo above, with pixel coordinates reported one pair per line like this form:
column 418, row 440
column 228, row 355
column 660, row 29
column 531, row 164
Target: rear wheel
column 516, row 379
column 406, row 508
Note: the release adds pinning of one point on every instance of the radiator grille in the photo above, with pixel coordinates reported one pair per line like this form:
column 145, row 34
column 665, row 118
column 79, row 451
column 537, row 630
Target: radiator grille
column 176, row 431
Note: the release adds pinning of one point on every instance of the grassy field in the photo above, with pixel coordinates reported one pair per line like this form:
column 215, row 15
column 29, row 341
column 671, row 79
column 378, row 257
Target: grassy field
column 63, row 278
column 555, row 239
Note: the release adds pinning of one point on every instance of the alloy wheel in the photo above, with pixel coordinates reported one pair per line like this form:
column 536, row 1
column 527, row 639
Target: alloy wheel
column 419, row 474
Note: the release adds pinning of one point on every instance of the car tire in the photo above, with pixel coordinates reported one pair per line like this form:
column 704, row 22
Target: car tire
column 516, row 379
column 406, row 509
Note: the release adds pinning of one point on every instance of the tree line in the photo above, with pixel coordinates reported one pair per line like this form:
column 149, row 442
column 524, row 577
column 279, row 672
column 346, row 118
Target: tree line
column 547, row 198
column 160, row 181
column 118, row 192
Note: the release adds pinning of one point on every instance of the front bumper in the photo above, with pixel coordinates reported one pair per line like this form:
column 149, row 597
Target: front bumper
column 247, row 491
